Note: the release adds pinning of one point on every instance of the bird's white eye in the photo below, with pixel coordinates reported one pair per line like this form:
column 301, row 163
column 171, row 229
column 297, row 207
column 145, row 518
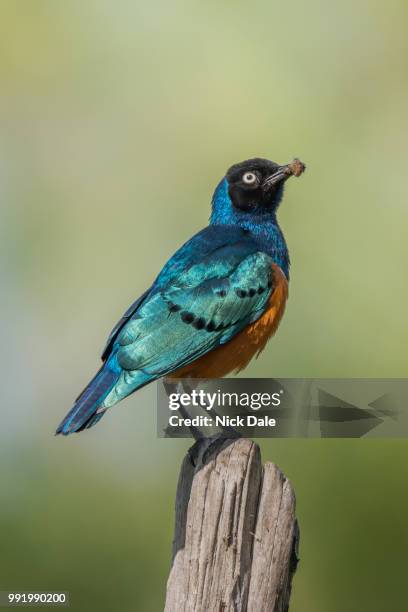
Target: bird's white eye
column 249, row 178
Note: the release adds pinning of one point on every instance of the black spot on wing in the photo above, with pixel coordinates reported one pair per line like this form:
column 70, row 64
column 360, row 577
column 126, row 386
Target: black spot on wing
column 187, row 317
column 174, row 307
column 199, row 323
column 242, row 293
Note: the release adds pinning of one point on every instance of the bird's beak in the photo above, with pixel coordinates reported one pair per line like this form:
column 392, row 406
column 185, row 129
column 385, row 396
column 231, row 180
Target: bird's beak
column 295, row 168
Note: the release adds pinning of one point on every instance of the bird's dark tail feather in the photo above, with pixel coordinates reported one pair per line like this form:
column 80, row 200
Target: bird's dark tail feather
column 84, row 413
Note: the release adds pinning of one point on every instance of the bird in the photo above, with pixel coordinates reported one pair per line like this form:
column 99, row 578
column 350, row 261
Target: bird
column 214, row 305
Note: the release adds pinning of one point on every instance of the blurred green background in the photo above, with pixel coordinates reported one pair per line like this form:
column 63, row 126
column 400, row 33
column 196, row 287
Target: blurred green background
column 117, row 121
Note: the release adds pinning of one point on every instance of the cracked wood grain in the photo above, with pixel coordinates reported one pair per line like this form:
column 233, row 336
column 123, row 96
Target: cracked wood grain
column 235, row 534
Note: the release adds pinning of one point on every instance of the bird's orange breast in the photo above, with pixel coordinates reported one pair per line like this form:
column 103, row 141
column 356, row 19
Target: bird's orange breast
column 238, row 352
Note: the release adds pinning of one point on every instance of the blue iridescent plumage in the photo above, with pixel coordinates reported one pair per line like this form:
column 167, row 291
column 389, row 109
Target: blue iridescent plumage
column 215, row 285
column 262, row 224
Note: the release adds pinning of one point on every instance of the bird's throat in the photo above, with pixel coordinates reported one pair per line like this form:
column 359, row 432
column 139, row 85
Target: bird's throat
column 263, row 227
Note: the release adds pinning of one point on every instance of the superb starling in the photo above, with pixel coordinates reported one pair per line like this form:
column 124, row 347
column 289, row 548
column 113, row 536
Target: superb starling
column 214, row 305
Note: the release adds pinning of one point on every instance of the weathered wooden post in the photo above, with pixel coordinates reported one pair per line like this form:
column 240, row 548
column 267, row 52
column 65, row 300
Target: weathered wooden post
column 236, row 535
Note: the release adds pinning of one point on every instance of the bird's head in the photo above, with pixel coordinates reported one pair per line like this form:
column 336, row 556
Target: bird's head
column 254, row 186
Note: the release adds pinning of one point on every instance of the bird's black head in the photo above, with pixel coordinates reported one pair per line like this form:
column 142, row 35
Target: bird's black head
column 256, row 185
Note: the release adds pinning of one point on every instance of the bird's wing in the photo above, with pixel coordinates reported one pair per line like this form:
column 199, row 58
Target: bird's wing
column 121, row 323
column 197, row 309
column 198, row 247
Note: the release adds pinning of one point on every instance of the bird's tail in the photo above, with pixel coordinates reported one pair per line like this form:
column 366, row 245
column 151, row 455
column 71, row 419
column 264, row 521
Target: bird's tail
column 84, row 412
